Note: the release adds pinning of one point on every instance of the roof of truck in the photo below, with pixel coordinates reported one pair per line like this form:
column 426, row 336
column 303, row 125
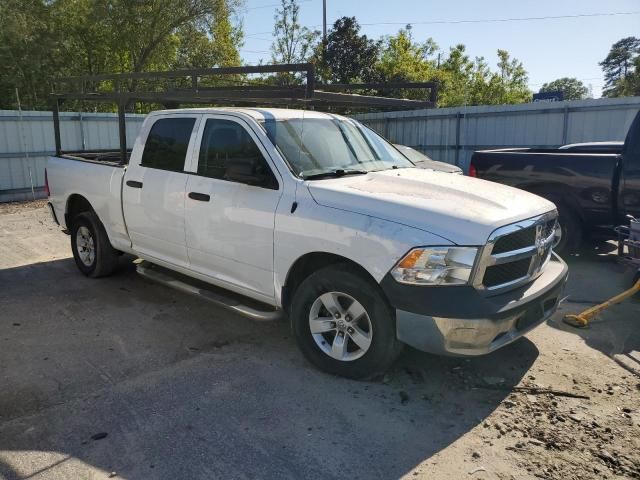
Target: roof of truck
column 260, row 114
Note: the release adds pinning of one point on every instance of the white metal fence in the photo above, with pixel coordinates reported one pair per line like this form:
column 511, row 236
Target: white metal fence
column 453, row 134
column 447, row 134
column 26, row 140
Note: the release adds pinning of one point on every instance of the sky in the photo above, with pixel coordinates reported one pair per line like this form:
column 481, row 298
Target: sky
column 549, row 49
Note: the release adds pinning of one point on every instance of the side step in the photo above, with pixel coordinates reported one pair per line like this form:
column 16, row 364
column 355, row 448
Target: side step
column 229, row 300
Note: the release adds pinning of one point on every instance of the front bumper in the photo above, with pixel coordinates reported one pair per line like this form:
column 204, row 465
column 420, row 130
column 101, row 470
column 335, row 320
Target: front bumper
column 463, row 321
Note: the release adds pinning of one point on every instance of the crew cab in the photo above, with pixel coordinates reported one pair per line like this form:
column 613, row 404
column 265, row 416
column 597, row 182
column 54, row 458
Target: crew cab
column 594, row 185
column 318, row 218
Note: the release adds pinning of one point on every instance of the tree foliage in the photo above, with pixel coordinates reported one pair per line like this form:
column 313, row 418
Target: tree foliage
column 572, row 88
column 293, row 43
column 351, row 57
column 43, row 39
column 348, row 57
column 621, row 68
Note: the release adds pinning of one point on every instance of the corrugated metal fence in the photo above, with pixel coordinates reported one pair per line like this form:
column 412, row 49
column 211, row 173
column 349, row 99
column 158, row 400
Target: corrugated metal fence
column 447, row 134
column 453, row 134
column 26, row 140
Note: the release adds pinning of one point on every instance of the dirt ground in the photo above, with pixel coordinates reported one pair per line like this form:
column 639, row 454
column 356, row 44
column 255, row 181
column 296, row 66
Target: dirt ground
column 122, row 378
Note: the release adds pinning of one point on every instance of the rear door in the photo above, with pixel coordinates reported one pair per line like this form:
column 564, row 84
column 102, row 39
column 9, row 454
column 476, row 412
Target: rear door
column 154, row 189
column 230, row 221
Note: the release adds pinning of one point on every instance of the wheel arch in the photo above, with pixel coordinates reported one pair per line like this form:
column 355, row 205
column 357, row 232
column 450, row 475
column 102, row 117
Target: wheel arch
column 310, row 263
column 76, row 204
column 546, row 189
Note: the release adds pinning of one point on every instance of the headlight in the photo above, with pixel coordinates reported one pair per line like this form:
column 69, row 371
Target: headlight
column 436, row 266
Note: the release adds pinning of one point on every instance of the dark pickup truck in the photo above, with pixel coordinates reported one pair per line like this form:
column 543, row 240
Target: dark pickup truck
column 593, row 187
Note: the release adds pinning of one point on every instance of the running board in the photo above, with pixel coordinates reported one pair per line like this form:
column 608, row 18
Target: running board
column 229, row 300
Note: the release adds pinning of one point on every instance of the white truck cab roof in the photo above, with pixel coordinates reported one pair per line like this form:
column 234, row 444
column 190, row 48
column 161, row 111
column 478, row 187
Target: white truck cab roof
column 259, row 114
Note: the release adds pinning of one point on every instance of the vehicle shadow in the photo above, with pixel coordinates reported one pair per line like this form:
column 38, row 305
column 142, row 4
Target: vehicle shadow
column 595, row 276
column 122, row 375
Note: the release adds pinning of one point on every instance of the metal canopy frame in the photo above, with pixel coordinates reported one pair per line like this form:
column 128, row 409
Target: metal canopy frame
column 125, row 90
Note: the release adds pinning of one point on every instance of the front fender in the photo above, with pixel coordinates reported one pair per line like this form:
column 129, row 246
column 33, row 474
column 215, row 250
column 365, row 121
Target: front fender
column 374, row 244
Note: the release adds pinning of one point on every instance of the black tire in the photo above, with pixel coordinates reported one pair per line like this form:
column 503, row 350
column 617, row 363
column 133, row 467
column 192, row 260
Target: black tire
column 570, row 226
column 384, row 347
column 571, row 230
column 105, row 258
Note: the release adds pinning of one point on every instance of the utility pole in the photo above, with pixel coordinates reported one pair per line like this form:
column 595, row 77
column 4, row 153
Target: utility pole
column 324, row 23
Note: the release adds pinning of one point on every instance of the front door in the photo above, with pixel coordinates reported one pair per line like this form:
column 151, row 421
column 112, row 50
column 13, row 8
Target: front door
column 154, row 190
column 230, row 218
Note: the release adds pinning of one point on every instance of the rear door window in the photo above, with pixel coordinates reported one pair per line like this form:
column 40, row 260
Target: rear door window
column 167, row 144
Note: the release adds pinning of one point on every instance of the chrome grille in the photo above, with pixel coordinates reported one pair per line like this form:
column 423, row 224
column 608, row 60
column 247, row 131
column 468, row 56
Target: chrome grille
column 516, row 254
column 515, row 241
column 506, row 272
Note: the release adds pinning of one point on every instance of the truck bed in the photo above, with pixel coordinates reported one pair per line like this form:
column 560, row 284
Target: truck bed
column 585, row 181
column 95, row 176
column 107, row 157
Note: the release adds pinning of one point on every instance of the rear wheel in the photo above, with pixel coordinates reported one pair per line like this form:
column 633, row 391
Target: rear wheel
column 92, row 251
column 343, row 325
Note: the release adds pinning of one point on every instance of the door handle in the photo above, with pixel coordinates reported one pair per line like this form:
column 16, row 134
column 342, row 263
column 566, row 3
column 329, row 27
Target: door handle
column 134, row 184
column 201, row 197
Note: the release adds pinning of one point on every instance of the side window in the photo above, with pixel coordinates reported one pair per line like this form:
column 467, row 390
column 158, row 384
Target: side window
column 166, row 147
column 229, row 153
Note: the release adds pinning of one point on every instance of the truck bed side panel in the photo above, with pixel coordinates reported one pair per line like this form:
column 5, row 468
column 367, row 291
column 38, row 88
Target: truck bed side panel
column 99, row 184
column 584, row 181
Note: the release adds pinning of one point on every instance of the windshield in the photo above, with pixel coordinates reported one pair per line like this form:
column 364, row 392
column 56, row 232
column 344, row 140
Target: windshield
column 314, row 146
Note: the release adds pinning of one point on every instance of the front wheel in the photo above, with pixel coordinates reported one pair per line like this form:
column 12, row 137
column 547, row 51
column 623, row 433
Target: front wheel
column 343, row 325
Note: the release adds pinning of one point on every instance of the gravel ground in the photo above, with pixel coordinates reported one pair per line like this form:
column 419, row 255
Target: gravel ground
column 122, row 378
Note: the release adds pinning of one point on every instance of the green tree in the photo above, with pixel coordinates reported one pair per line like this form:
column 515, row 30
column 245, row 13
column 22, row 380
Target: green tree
column 462, row 79
column 632, row 82
column 620, row 68
column 404, row 59
column 214, row 44
column 467, row 81
column 293, row 42
column 512, row 82
column 349, row 57
column 572, row 88
column 44, row 39
column 25, row 56
column 144, row 31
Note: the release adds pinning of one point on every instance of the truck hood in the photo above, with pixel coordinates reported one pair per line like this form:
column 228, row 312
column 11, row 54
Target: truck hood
column 461, row 209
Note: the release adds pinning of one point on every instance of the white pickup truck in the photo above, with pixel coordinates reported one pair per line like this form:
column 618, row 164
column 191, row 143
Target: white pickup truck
column 314, row 215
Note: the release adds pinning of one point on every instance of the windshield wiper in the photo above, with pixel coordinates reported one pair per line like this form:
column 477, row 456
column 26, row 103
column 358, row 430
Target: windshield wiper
column 339, row 172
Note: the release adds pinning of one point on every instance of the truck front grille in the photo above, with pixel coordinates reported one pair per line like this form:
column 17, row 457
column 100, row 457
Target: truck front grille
column 515, row 241
column 507, row 272
column 516, row 254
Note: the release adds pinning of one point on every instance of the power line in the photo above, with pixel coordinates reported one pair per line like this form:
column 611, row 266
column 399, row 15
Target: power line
column 271, row 5
column 485, row 20
column 513, row 19
column 254, row 51
column 262, row 39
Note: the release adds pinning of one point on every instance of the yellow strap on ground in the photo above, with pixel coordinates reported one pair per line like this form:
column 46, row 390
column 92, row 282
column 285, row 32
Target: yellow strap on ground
column 583, row 318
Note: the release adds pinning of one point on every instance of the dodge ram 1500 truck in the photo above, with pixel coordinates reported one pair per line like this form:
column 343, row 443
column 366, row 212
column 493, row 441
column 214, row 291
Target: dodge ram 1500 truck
column 316, row 216
column 594, row 185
